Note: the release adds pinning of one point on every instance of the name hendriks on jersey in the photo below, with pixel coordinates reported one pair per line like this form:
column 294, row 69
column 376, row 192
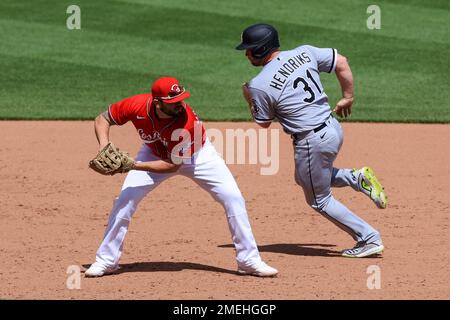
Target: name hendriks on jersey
column 279, row 78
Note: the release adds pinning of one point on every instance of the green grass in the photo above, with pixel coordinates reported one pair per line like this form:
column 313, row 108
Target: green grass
column 49, row 72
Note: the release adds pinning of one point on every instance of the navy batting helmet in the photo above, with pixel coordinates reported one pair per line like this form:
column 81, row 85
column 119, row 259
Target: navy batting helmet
column 260, row 38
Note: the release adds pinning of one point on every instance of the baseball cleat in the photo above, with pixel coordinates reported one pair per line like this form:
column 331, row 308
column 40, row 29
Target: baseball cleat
column 98, row 270
column 370, row 186
column 261, row 270
column 363, row 249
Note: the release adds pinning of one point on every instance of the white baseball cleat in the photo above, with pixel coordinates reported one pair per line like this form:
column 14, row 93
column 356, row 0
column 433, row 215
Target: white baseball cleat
column 260, row 270
column 98, row 270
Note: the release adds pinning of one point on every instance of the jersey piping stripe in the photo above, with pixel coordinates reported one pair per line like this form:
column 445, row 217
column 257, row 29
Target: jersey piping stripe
column 333, row 62
column 167, row 125
column 153, row 124
column 173, row 121
column 148, row 113
column 356, row 236
column 310, row 176
column 337, row 223
column 263, row 120
column 110, row 114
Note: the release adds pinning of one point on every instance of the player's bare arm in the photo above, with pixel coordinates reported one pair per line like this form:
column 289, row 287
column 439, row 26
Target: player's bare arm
column 101, row 125
column 157, row 166
column 345, row 77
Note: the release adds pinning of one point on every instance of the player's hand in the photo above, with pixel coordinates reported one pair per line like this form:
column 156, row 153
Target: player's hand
column 344, row 107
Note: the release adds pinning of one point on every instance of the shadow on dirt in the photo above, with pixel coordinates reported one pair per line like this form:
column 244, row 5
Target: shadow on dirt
column 165, row 266
column 299, row 249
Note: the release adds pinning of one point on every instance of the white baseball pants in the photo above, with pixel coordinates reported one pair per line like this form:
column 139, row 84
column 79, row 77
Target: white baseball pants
column 210, row 172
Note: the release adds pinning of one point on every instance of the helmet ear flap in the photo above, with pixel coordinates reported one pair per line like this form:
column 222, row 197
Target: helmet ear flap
column 262, row 51
column 259, row 52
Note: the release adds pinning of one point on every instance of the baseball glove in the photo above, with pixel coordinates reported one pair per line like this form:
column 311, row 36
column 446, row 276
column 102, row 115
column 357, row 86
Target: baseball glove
column 110, row 160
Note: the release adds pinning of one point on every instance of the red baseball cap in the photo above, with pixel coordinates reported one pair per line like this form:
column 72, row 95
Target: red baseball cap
column 168, row 89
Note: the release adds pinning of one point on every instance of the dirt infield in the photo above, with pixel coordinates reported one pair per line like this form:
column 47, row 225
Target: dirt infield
column 54, row 211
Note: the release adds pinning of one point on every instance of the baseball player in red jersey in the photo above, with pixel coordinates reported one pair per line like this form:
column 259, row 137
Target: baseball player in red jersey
column 174, row 142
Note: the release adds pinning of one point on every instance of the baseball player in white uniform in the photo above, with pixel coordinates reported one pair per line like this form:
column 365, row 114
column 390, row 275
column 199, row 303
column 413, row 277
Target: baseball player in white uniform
column 159, row 118
column 289, row 89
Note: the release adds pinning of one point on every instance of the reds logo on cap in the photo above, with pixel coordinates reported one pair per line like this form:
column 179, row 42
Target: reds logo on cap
column 175, row 88
column 169, row 90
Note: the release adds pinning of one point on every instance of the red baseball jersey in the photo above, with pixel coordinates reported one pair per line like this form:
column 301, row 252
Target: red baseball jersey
column 181, row 136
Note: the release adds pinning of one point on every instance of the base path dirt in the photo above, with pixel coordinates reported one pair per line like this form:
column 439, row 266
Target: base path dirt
column 54, row 211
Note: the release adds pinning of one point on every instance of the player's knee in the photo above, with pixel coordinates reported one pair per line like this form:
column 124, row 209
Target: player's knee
column 231, row 200
column 124, row 199
column 133, row 194
column 233, row 196
column 311, row 201
column 318, row 203
column 315, row 206
column 128, row 200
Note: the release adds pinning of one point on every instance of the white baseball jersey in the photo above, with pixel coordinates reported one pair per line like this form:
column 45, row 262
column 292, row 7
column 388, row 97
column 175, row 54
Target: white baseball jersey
column 288, row 88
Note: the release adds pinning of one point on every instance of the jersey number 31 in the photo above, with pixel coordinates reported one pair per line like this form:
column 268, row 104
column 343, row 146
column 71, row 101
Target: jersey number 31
column 306, row 86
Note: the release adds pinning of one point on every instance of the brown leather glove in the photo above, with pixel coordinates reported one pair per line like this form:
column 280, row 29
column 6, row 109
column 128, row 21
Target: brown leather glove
column 110, row 160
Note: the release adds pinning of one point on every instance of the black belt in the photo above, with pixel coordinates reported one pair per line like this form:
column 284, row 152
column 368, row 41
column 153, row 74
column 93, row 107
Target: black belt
column 301, row 135
column 323, row 125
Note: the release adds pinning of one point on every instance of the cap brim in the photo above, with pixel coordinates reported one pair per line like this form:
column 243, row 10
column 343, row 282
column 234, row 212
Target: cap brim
column 179, row 98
